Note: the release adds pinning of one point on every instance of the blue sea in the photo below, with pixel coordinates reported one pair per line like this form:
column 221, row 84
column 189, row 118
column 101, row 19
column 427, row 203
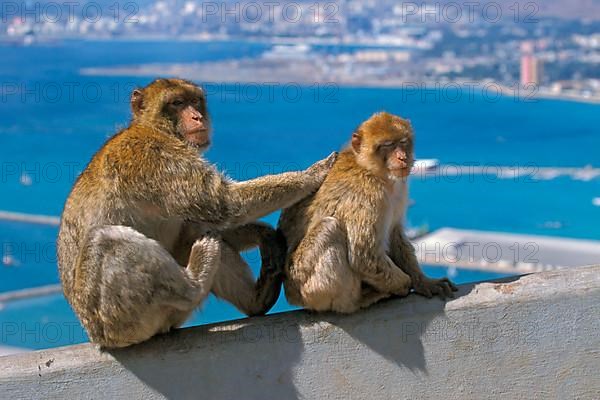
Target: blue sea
column 52, row 120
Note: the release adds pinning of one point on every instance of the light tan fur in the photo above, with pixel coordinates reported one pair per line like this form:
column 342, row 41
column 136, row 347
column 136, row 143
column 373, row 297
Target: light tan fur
column 150, row 228
column 346, row 244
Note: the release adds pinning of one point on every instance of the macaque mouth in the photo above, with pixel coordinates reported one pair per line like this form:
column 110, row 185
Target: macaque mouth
column 399, row 166
column 400, row 171
column 198, row 136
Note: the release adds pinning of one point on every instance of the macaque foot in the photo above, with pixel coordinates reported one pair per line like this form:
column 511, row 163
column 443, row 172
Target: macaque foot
column 273, row 252
column 403, row 290
column 435, row 287
column 204, row 258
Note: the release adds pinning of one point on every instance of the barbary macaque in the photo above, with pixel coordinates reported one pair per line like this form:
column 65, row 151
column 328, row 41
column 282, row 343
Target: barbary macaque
column 150, row 227
column 346, row 244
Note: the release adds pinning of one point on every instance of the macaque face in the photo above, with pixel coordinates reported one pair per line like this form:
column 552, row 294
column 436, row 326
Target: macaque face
column 188, row 111
column 174, row 106
column 397, row 156
column 384, row 145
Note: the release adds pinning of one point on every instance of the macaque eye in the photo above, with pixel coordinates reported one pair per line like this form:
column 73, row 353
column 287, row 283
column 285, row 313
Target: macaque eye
column 177, row 102
column 387, row 143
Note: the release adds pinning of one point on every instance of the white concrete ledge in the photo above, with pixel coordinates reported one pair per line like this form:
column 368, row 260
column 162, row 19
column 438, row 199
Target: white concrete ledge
column 533, row 337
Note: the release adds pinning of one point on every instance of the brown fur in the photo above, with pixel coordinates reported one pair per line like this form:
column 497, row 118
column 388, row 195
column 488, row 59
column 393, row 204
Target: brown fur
column 346, row 245
column 147, row 204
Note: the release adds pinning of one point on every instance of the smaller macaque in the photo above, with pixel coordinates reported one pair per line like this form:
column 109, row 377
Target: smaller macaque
column 346, row 244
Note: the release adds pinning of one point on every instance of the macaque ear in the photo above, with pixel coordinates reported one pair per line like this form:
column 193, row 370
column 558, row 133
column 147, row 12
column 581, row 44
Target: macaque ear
column 356, row 141
column 137, row 101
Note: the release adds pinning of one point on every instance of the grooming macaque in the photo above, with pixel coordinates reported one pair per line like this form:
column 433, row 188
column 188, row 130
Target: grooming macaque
column 346, row 244
column 150, row 228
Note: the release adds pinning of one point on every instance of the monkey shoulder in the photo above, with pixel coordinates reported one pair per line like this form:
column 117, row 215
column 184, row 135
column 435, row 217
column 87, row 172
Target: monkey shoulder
column 353, row 183
column 140, row 144
column 139, row 155
column 136, row 174
column 348, row 193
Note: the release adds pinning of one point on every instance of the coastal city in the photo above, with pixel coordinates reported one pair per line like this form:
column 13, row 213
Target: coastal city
column 520, row 49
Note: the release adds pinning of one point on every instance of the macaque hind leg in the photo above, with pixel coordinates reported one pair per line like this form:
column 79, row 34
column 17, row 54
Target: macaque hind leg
column 234, row 282
column 332, row 284
column 273, row 251
column 134, row 288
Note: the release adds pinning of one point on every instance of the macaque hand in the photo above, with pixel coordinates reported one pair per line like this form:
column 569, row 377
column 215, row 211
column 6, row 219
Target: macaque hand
column 435, row 287
column 320, row 169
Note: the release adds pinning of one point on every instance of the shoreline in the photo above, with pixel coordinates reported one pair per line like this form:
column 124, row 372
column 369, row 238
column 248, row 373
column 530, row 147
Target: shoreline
column 313, row 41
column 231, row 72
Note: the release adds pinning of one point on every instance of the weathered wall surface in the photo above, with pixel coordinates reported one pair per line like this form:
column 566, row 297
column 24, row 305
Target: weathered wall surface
column 535, row 337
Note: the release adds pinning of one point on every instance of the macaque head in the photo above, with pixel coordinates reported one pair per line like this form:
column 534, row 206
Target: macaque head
column 384, row 145
column 174, row 106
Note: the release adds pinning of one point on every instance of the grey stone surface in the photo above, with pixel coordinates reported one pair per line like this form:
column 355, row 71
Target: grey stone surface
column 530, row 337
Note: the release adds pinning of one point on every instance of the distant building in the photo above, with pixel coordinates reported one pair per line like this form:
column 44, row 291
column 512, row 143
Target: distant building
column 531, row 66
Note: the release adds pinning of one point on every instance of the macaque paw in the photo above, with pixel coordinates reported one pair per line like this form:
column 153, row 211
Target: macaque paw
column 320, row 169
column 331, row 159
column 435, row 287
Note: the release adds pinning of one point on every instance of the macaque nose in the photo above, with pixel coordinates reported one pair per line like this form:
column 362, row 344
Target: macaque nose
column 197, row 117
column 401, row 155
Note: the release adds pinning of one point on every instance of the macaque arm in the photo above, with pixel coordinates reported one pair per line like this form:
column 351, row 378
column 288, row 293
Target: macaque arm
column 250, row 200
column 195, row 191
column 403, row 255
column 258, row 197
column 217, row 202
column 374, row 266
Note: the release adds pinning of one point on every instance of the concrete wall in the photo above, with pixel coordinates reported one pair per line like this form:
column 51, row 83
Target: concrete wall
column 535, row 337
